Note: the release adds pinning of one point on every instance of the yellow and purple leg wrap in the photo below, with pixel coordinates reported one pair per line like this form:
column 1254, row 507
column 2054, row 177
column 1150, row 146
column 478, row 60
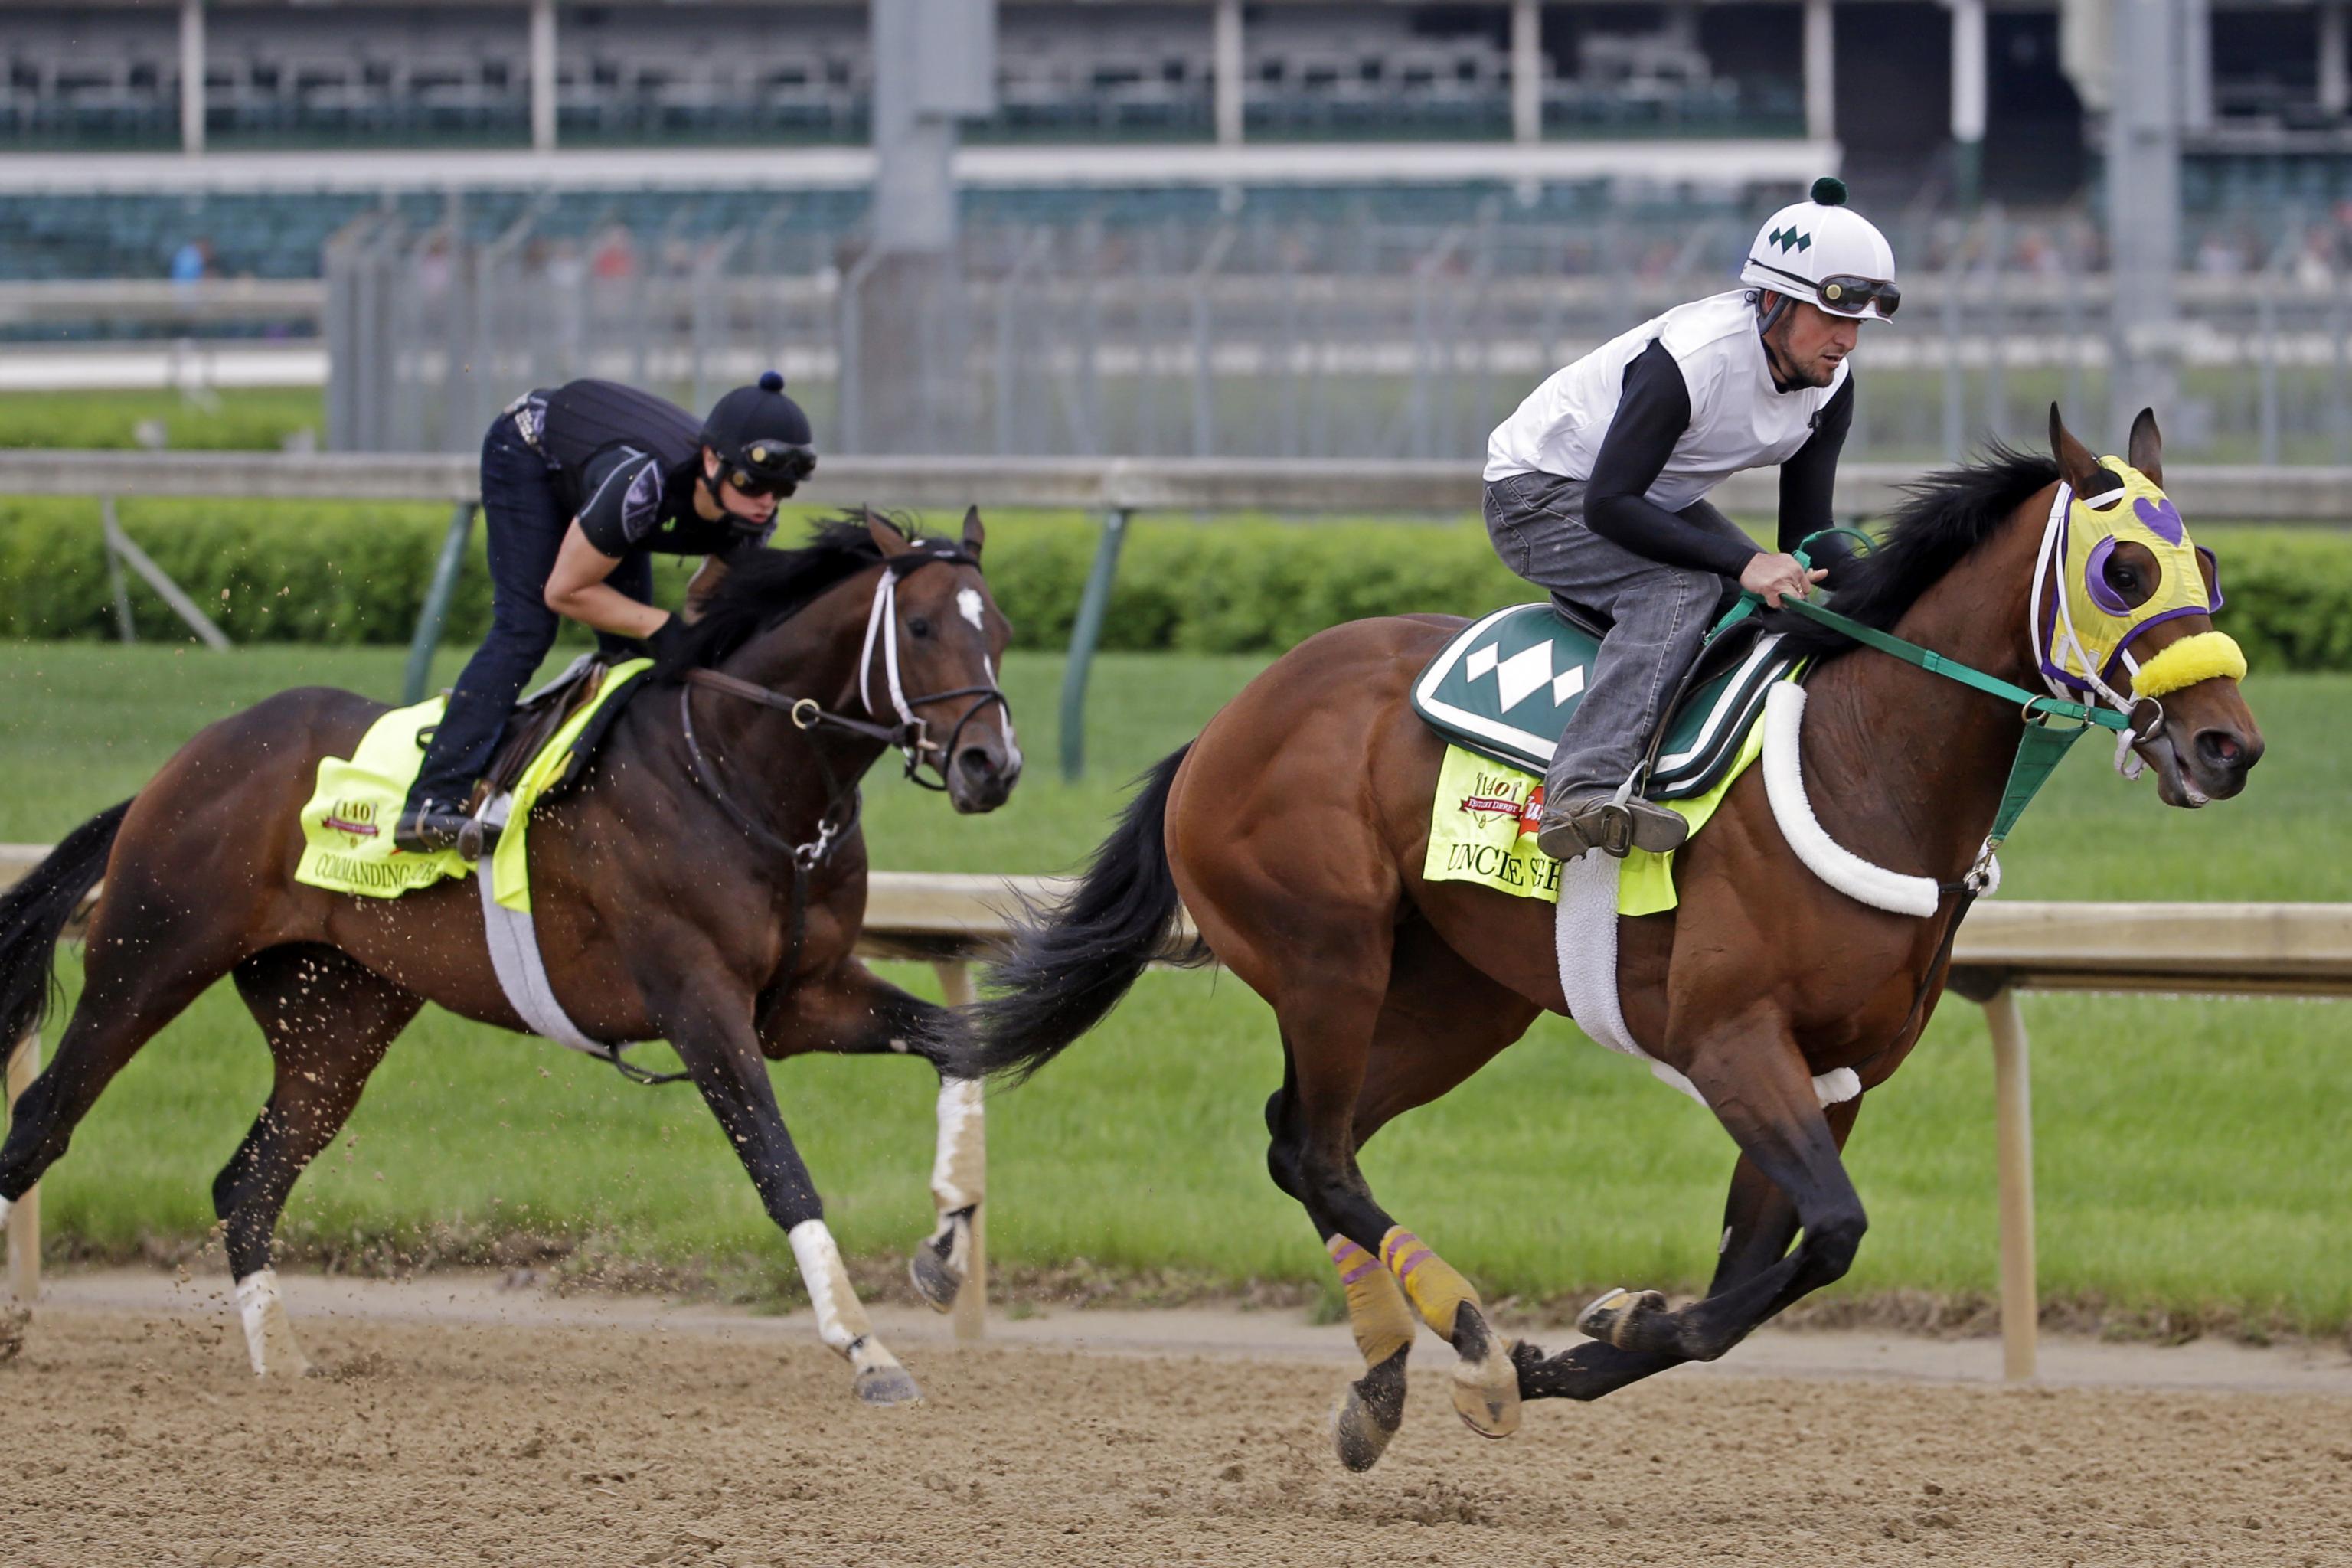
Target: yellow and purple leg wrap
column 1377, row 1313
column 1437, row 1292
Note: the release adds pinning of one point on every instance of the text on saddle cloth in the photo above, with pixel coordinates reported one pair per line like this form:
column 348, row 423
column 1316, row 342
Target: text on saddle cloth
column 347, row 822
column 1483, row 823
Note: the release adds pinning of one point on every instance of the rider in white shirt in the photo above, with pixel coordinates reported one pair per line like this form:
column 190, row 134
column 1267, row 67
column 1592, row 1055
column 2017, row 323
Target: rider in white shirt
column 1596, row 487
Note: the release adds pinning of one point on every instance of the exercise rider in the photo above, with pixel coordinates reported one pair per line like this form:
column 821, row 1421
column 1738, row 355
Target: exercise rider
column 580, row 486
column 1596, row 487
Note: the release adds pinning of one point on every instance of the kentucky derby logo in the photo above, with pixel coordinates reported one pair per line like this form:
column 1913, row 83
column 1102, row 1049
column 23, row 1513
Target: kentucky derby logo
column 1493, row 797
column 353, row 818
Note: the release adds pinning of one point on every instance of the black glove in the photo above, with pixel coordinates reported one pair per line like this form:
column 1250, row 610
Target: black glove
column 666, row 642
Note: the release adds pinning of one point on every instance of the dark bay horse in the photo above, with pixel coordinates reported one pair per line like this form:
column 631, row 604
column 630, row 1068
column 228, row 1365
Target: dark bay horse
column 1294, row 828
column 704, row 886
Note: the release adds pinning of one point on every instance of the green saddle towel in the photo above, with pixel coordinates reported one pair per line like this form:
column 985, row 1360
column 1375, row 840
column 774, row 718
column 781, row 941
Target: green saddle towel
column 1505, row 687
column 347, row 825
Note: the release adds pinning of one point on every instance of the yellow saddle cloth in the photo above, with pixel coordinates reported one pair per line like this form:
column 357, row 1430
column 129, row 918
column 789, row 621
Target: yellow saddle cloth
column 1481, row 829
column 347, row 825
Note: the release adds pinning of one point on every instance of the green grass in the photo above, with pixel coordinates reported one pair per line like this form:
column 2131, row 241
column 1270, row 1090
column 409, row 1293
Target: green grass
column 2189, row 1153
column 258, row 418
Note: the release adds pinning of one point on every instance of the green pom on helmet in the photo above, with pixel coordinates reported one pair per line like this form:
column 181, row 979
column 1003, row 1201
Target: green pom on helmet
column 1829, row 191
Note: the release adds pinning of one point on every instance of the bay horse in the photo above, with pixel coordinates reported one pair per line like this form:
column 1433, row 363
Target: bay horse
column 704, row 885
column 1294, row 828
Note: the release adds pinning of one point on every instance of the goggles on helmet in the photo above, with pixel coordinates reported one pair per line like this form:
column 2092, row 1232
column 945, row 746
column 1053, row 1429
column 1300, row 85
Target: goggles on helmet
column 768, row 468
column 1851, row 296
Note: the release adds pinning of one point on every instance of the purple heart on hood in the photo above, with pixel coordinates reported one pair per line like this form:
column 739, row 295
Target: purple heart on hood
column 2163, row 517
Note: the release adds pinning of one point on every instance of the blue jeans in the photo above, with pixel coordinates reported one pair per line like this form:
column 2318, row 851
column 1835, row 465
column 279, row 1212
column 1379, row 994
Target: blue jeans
column 524, row 522
column 1660, row 617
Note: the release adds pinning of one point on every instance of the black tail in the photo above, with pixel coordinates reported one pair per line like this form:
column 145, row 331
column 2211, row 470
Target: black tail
column 1071, row 963
column 33, row 915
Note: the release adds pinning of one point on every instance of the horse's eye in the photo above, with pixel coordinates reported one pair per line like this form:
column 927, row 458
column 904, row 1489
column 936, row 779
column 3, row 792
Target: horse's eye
column 920, row 626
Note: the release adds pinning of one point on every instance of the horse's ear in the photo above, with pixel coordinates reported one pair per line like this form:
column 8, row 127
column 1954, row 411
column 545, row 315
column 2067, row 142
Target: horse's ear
column 2075, row 464
column 2145, row 452
column 885, row 533
column 974, row 536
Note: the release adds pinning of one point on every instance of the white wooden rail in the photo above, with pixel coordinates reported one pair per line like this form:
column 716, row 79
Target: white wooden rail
column 2005, row 947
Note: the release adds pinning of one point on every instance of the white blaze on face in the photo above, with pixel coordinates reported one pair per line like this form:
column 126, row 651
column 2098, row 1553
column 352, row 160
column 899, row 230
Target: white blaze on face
column 968, row 604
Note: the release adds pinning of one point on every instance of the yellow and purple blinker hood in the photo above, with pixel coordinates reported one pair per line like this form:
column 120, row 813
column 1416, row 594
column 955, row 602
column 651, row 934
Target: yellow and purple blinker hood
column 2083, row 630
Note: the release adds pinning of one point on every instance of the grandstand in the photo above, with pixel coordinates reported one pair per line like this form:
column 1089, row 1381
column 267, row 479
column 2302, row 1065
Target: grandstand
column 281, row 74
column 683, row 125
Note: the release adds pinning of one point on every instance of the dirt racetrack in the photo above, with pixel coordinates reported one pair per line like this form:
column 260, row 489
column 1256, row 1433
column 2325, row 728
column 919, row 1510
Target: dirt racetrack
column 504, row 1428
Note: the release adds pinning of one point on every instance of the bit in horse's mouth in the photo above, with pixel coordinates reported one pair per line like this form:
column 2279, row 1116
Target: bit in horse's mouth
column 2173, row 781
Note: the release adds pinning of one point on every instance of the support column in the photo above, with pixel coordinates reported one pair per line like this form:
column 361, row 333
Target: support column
column 1526, row 71
column 192, row 76
column 2197, row 64
column 2335, row 91
column 1821, row 72
column 1225, row 68
column 542, row 76
column 1968, row 97
column 934, row 65
column 2144, row 209
column 2021, row 1298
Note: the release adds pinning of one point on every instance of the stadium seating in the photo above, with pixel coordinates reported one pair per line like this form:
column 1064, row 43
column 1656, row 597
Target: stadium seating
column 287, row 75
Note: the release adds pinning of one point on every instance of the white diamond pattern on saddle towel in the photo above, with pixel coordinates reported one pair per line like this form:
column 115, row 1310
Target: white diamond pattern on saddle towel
column 1523, row 674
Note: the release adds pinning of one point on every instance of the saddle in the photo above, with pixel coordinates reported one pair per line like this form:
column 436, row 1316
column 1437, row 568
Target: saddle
column 537, row 716
column 1505, row 686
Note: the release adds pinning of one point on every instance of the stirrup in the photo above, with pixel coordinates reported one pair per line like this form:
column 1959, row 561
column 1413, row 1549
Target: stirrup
column 1609, row 829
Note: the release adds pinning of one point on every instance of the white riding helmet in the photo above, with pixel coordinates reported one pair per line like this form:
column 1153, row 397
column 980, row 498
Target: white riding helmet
column 1824, row 251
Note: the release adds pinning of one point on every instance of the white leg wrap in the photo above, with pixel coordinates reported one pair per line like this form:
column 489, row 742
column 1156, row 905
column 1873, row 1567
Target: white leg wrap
column 841, row 1320
column 268, row 1333
column 960, row 1169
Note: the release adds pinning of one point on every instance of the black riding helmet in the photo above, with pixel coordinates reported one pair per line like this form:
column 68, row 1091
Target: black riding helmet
column 762, row 437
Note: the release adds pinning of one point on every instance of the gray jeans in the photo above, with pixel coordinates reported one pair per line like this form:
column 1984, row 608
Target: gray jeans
column 1660, row 614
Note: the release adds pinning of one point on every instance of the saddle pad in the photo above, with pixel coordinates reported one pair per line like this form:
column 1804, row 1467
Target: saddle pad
column 1482, row 826
column 347, row 822
column 1505, row 685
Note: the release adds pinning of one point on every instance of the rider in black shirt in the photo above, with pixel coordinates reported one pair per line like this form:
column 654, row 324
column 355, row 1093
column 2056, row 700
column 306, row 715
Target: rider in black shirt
column 579, row 486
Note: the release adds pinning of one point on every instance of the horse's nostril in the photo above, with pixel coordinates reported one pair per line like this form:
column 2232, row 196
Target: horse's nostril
column 975, row 761
column 2220, row 749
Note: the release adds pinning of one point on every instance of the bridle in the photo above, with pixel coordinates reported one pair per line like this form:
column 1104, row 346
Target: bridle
column 912, row 736
column 843, row 800
column 909, row 736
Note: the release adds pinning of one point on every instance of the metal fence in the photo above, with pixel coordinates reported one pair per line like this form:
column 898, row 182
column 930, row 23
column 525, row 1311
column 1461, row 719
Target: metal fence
column 1326, row 335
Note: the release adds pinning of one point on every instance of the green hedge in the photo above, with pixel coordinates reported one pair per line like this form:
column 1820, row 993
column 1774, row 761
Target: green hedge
column 355, row 572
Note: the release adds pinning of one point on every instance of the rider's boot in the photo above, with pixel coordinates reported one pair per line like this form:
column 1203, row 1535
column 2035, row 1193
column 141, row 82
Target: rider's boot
column 428, row 826
column 434, row 818
column 1599, row 820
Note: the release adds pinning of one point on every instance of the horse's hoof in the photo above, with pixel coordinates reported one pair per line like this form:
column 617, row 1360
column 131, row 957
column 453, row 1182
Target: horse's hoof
column 888, row 1385
column 1369, row 1411
column 1620, row 1316
column 1487, row 1392
column 935, row 1282
column 1356, row 1431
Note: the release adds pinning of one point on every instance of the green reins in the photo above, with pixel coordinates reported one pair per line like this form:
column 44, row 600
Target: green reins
column 2053, row 724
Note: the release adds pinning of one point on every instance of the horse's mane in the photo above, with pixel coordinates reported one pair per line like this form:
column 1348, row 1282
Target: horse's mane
column 1946, row 515
column 764, row 587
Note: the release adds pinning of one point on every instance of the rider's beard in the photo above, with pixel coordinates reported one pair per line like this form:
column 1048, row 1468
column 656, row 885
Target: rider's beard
column 1787, row 372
